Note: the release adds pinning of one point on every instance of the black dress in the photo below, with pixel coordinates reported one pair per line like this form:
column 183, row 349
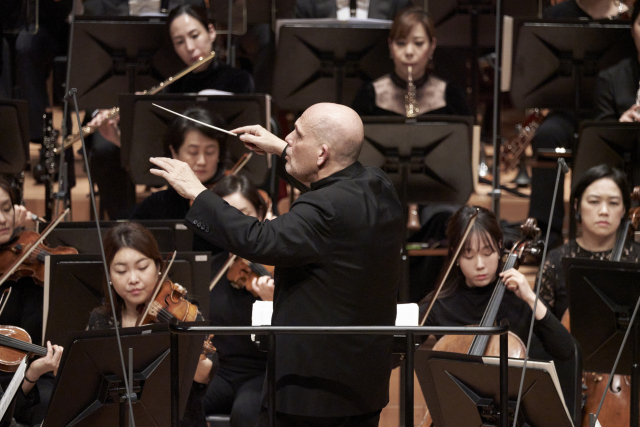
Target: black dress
column 193, row 414
column 553, row 290
column 218, row 76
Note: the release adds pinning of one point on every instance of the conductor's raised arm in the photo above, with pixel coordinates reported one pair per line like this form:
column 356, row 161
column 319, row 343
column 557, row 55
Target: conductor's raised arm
column 260, row 140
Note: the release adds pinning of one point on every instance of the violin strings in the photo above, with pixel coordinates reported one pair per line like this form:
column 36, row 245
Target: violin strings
column 21, row 345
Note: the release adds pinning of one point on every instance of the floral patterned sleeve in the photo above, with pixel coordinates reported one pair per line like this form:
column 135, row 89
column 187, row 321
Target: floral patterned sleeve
column 552, row 287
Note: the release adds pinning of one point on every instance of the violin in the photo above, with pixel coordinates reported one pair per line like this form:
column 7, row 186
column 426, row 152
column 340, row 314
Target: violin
column 15, row 344
column 33, row 265
column 242, row 272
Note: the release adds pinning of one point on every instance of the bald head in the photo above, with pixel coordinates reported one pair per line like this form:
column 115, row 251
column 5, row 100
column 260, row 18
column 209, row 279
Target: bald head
column 337, row 126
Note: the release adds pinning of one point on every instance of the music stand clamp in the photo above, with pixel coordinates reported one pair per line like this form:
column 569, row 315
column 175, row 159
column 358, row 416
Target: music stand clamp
column 603, row 295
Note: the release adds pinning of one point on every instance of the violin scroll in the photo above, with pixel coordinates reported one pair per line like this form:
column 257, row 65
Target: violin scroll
column 530, row 229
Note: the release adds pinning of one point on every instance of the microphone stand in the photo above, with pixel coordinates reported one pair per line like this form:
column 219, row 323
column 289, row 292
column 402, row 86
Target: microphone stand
column 495, row 190
column 562, row 168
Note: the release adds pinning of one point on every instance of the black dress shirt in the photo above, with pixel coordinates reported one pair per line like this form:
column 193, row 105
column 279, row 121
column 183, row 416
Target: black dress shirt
column 336, row 254
column 617, row 88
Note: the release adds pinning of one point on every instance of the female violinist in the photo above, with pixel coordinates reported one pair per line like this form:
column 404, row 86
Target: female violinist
column 22, row 307
column 203, row 148
column 601, row 200
column 237, row 387
column 134, row 264
column 469, row 287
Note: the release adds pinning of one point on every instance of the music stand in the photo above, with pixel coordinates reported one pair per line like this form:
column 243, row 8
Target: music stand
column 556, row 63
column 463, row 391
column 416, row 155
column 14, row 128
column 603, row 295
column 171, row 235
column 143, row 128
column 73, row 287
column 327, row 60
column 89, row 387
column 113, row 55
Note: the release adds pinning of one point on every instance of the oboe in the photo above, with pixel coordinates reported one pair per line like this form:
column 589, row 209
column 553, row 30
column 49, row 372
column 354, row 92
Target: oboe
column 115, row 111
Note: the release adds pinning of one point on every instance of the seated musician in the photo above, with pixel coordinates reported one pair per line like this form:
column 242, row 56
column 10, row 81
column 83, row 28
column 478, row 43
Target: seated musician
column 134, row 264
column 412, row 41
column 237, row 387
column 601, row 200
column 470, row 285
column 192, row 35
column 617, row 87
column 21, row 306
column 202, row 148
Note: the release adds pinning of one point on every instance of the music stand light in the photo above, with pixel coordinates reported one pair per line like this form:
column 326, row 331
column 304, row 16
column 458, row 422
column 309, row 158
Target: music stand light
column 462, row 391
column 73, row 287
column 417, row 155
column 327, row 60
column 89, row 387
column 117, row 55
column 556, row 63
column 143, row 128
column 14, row 128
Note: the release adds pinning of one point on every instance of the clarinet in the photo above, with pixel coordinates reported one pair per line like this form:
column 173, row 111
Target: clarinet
column 410, row 103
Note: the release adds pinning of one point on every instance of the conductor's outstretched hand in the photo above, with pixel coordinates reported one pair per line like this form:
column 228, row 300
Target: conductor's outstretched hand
column 179, row 175
column 260, row 140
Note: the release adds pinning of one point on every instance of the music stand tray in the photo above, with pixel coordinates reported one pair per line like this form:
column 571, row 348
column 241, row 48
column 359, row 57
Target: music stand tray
column 143, row 128
column 114, row 55
column 327, row 60
column 14, row 128
column 73, row 287
column 556, row 63
column 417, row 155
column 90, row 384
column 613, row 143
column 463, row 391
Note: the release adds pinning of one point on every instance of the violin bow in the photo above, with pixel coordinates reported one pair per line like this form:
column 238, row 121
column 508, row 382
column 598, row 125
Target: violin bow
column 224, row 268
column 452, row 260
column 163, row 277
column 33, row 247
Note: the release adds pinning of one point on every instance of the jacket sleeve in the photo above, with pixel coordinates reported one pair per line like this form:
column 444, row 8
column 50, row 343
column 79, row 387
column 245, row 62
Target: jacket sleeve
column 298, row 237
column 604, row 99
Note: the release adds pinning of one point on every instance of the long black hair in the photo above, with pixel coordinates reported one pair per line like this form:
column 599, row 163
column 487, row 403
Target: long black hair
column 231, row 184
column 594, row 174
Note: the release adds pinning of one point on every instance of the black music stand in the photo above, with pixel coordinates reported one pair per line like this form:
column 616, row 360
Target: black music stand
column 556, row 63
column 143, row 127
column 463, row 391
column 14, row 128
column 73, row 287
column 327, row 60
column 89, row 388
column 602, row 296
column 417, row 155
column 171, row 235
column 119, row 55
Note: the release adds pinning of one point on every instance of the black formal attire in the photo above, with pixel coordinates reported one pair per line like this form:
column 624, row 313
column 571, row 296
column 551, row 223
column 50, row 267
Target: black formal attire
column 553, row 290
column 617, row 88
column 218, row 76
column 378, row 9
column 24, row 309
column 237, row 387
column 101, row 318
column 468, row 304
column 336, row 258
column 557, row 130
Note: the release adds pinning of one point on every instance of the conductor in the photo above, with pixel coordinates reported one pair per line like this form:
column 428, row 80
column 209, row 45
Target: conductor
column 337, row 262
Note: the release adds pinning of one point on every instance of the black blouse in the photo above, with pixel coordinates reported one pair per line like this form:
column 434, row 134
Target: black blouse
column 553, row 290
column 467, row 306
column 218, row 76
column 566, row 10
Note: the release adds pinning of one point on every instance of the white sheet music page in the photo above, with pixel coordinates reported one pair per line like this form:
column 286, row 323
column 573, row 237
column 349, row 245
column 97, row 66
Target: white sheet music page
column 16, row 381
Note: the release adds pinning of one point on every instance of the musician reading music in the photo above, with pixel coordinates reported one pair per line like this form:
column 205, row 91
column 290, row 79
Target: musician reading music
column 336, row 254
column 470, row 285
column 134, row 264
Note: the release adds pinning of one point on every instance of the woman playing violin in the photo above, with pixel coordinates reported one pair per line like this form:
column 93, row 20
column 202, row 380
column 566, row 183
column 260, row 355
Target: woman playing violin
column 202, row 148
column 134, row 264
column 21, row 305
column 601, row 200
column 237, row 386
column 469, row 287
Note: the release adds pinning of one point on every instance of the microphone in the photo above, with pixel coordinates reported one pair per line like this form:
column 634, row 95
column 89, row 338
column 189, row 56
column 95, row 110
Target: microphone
column 562, row 168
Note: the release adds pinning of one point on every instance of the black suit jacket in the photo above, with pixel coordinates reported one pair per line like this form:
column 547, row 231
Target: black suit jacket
column 378, row 9
column 617, row 88
column 337, row 262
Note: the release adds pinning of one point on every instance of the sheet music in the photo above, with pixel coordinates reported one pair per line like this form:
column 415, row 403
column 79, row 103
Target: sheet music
column 11, row 390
